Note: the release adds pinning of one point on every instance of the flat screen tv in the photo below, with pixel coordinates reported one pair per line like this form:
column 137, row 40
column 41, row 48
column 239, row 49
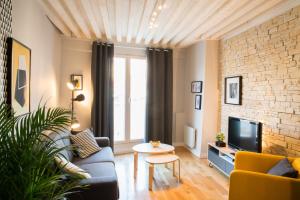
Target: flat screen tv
column 244, row 135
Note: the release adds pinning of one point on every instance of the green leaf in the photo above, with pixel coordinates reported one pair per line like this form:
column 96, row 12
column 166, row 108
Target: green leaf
column 27, row 155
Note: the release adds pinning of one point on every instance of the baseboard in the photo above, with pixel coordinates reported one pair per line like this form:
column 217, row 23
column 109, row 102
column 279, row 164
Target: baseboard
column 178, row 144
column 123, row 152
column 203, row 155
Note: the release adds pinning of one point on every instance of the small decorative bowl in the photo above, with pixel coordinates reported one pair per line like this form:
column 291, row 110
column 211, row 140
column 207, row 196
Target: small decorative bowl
column 155, row 143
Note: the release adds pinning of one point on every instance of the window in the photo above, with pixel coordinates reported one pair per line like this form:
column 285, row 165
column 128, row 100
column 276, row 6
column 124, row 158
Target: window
column 119, row 98
column 130, row 79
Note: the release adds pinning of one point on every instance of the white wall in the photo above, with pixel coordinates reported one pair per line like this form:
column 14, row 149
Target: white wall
column 211, row 96
column 194, row 71
column 31, row 27
column 178, row 96
column 76, row 59
column 201, row 64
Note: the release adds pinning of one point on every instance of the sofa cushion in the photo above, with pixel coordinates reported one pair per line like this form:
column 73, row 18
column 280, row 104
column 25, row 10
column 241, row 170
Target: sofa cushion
column 283, row 168
column 86, row 143
column 105, row 155
column 105, row 171
column 102, row 185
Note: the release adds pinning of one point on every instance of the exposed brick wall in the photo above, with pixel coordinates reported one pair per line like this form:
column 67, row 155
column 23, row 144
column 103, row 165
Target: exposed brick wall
column 268, row 59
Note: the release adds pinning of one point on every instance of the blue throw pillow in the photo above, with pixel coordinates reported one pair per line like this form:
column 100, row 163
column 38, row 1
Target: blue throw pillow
column 284, row 168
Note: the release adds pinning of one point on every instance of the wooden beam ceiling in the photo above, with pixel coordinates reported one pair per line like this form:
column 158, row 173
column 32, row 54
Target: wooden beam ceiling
column 164, row 23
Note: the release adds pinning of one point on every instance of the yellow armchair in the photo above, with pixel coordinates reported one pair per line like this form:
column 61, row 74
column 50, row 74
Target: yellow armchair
column 249, row 179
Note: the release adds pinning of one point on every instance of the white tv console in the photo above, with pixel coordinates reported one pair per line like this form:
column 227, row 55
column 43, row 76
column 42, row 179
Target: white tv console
column 221, row 158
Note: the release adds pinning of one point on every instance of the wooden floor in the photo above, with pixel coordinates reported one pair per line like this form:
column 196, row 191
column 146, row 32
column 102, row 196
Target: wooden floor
column 199, row 181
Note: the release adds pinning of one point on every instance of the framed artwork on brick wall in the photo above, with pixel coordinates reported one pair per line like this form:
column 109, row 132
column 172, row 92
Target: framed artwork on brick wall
column 18, row 68
column 233, row 90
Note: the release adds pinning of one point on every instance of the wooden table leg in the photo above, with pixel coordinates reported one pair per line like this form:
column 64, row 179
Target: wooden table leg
column 151, row 171
column 135, row 168
column 178, row 170
column 173, row 164
column 174, row 174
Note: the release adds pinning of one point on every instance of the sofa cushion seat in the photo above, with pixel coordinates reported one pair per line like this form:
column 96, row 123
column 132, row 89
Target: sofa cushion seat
column 104, row 170
column 104, row 155
column 103, row 183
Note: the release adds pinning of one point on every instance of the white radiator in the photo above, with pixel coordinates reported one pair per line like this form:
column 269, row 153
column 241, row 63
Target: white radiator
column 189, row 136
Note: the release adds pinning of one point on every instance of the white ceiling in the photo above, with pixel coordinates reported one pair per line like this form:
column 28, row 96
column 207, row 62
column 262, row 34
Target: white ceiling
column 166, row 23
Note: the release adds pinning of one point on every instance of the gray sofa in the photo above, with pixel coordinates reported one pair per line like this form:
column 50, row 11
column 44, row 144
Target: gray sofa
column 101, row 166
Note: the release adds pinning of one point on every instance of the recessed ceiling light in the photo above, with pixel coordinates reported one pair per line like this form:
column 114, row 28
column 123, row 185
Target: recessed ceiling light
column 160, row 7
column 155, row 13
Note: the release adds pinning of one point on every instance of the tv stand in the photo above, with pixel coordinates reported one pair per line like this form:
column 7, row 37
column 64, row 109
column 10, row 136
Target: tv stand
column 221, row 158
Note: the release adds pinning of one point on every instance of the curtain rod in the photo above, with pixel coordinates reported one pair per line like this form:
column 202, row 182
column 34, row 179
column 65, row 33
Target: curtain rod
column 129, row 47
column 142, row 48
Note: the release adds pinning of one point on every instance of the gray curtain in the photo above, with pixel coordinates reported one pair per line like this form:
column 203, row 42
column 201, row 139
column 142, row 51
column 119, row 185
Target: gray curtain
column 102, row 83
column 159, row 95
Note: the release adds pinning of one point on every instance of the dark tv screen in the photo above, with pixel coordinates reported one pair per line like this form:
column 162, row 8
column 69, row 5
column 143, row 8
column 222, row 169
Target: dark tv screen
column 244, row 134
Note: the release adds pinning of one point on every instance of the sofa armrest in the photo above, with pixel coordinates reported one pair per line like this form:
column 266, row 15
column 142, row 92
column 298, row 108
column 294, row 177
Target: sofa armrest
column 248, row 185
column 257, row 162
column 103, row 141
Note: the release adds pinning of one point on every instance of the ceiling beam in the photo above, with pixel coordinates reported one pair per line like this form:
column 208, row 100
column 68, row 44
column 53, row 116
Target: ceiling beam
column 267, row 5
column 236, row 15
column 191, row 16
column 275, row 11
column 138, row 17
column 86, row 5
column 112, row 15
column 55, row 18
column 73, row 8
column 57, row 6
column 135, row 13
column 162, row 19
column 105, row 18
column 149, row 7
column 222, row 14
column 178, row 14
column 209, row 10
column 98, row 17
column 120, row 18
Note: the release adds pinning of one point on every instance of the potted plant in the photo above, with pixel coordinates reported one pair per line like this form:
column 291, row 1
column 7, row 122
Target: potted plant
column 220, row 140
column 27, row 164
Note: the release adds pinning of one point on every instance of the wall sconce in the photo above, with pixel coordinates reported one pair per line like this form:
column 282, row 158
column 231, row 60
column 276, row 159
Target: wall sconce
column 74, row 85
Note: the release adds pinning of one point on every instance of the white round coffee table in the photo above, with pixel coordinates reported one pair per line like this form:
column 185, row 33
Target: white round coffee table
column 149, row 149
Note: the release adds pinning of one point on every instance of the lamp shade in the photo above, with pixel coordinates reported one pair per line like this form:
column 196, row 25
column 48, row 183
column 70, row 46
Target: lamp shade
column 79, row 97
column 75, row 124
column 70, row 85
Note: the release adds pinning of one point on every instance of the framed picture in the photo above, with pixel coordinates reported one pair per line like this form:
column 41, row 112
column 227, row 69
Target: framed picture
column 198, row 99
column 233, row 90
column 78, row 80
column 18, row 74
column 196, row 87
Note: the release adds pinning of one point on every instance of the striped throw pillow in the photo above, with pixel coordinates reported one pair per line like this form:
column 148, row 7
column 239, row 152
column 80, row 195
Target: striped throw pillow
column 86, row 143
